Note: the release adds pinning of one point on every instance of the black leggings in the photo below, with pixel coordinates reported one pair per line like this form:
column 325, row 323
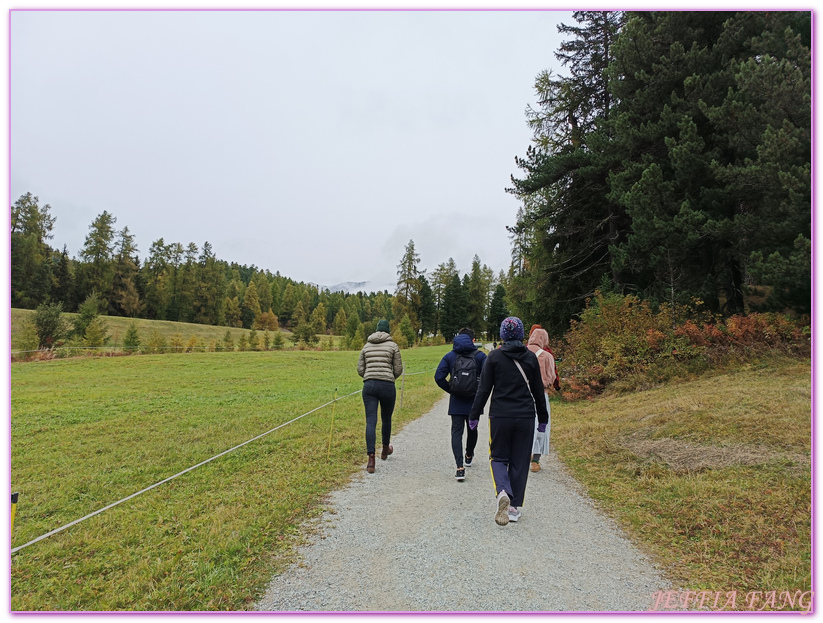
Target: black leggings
column 383, row 393
column 459, row 422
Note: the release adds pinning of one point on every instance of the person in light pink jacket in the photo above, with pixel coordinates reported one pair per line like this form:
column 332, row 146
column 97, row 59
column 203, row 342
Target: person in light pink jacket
column 539, row 345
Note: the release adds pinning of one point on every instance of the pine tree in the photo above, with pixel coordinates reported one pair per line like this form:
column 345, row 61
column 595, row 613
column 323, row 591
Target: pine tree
column 87, row 312
column 154, row 276
column 498, row 312
column 232, row 312
column 454, row 314
column 228, row 341
column 407, row 330
column 263, row 288
column 288, row 304
column 96, row 334
column 476, row 294
column 298, row 316
column 64, row 286
column 568, row 224
column 428, row 309
column 407, row 294
column 340, row 322
column 250, row 310
column 131, row 341
column 98, row 252
column 358, row 340
column 719, row 167
column 441, row 277
column 125, row 299
column 31, row 265
column 318, row 319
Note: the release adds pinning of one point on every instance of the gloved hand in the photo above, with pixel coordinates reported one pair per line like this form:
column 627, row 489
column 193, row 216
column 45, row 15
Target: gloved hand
column 541, row 427
column 473, row 424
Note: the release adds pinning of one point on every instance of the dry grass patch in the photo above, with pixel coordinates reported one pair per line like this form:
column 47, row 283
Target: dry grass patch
column 710, row 476
column 683, row 457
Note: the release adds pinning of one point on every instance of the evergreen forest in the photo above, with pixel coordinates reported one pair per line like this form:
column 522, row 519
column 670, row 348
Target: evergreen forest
column 671, row 161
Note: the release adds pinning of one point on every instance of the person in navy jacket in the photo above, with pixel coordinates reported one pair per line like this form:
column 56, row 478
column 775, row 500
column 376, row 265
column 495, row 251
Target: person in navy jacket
column 513, row 372
column 460, row 406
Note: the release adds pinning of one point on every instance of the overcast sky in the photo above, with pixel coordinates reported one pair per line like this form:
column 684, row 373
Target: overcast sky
column 314, row 143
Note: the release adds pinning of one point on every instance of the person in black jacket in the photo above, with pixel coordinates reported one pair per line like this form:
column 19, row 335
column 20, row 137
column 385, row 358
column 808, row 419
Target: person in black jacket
column 513, row 372
column 459, row 402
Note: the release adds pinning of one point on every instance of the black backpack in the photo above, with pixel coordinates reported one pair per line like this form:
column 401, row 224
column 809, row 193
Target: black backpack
column 464, row 381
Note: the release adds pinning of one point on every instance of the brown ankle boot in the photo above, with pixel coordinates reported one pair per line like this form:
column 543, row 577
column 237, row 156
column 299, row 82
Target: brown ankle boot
column 387, row 450
column 370, row 464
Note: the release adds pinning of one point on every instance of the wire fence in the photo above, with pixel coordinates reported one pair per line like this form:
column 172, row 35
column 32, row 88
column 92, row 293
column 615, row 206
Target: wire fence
column 188, row 469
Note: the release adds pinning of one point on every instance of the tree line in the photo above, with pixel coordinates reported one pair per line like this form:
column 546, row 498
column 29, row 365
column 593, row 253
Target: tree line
column 190, row 284
column 671, row 162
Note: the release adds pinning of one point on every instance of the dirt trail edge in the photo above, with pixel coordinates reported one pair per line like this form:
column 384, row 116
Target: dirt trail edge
column 411, row 538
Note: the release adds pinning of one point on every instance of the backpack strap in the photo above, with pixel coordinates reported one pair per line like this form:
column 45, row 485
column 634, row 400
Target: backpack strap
column 539, row 352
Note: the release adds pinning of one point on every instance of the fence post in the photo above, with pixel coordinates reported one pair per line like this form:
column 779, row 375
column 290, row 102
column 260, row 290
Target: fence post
column 13, row 510
column 333, row 405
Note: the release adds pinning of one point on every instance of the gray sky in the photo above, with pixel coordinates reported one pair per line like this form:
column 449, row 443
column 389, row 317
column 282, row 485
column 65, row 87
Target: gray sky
column 314, row 143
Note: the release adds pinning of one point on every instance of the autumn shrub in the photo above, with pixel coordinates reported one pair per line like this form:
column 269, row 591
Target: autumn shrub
column 616, row 336
column 621, row 337
column 176, row 343
column 155, row 344
column 192, row 345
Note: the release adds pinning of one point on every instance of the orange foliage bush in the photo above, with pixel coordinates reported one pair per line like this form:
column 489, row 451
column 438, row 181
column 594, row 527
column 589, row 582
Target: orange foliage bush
column 618, row 336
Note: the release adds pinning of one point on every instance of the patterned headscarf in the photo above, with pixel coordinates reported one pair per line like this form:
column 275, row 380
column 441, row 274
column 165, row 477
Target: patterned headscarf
column 512, row 329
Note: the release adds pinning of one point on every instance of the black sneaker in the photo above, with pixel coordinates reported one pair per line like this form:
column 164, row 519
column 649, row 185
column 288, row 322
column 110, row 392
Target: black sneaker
column 467, row 462
column 461, row 474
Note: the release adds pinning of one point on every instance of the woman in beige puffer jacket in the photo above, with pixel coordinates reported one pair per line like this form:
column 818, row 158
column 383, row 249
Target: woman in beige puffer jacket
column 379, row 365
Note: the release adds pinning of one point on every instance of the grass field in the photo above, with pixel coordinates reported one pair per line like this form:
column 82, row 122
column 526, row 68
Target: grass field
column 710, row 476
column 86, row 432
column 117, row 327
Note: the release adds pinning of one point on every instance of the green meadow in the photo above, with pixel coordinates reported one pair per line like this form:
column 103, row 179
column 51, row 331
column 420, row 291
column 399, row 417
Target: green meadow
column 206, row 335
column 709, row 475
column 87, row 432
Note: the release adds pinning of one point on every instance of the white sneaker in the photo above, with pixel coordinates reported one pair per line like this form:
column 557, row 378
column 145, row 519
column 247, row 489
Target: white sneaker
column 514, row 513
column 501, row 518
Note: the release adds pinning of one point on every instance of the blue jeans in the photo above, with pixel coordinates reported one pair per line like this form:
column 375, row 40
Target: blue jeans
column 383, row 393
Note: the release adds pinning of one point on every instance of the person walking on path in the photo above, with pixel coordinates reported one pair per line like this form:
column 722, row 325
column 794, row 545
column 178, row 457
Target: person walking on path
column 539, row 345
column 513, row 372
column 462, row 365
column 379, row 365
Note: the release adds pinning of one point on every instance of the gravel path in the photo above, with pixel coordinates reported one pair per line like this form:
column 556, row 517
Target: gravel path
column 411, row 538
